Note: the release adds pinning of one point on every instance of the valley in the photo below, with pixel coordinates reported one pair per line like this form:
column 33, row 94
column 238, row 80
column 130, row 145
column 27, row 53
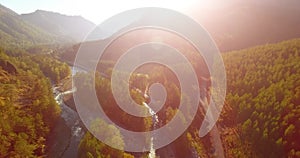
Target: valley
column 260, row 117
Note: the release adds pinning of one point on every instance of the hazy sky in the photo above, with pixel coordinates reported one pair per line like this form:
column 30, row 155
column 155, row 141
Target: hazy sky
column 94, row 10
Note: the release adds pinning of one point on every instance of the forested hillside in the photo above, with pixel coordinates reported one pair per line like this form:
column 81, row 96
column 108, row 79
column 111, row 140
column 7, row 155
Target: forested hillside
column 264, row 92
column 28, row 110
column 261, row 116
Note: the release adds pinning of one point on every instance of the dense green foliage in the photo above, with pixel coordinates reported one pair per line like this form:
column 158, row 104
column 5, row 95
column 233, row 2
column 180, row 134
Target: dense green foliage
column 138, row 84
column 261, row 117
column 91, row 147
column 51, row 67
column 264, row 90
column 27, row 108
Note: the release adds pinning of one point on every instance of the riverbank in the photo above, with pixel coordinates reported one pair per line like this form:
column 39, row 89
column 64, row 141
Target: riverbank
column 59, row 139
column 68, row 131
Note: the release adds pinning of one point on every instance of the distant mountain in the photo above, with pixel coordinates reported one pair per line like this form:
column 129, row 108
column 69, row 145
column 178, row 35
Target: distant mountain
column 233, row 24
column 236, row 24
column 74, row 27
column 240, row 24
column 14, row 31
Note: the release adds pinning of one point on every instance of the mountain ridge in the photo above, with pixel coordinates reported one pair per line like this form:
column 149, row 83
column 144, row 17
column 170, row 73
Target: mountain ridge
column 15, row 32
column 243, row 24
column 74, row 27
column 40, row 28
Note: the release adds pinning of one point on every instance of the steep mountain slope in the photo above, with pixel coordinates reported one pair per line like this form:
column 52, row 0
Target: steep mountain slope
column 75, row 27
column 28, row 110
column 240, row 24
column 27, row 107
column 16, row 32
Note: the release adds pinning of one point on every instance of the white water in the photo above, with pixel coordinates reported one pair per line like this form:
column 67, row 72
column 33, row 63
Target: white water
column 72, row 120
column 155, row 120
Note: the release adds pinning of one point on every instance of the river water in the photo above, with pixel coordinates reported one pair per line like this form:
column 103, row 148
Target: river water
column 68, row 131
column 72, row 120
column 155, row 121
column 66, row 142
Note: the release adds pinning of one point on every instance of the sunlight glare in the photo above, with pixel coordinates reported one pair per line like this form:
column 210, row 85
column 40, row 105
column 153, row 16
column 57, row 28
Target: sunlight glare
column 98, row 11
